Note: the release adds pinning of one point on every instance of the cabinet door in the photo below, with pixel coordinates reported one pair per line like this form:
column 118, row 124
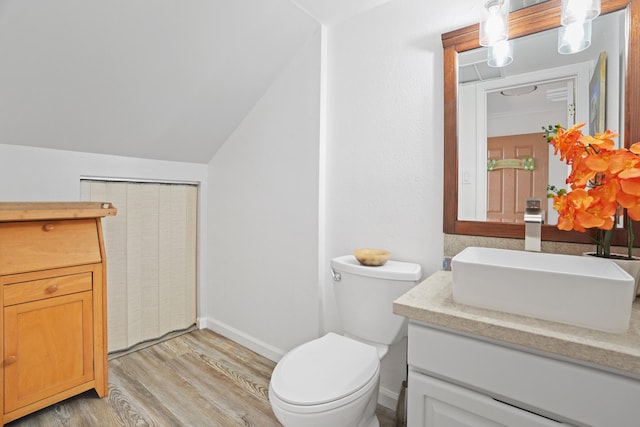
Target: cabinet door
column 48, row 348
column 435, row 403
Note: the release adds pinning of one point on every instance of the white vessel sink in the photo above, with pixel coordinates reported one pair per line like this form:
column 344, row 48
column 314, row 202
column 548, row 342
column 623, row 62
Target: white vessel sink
column 582, row 291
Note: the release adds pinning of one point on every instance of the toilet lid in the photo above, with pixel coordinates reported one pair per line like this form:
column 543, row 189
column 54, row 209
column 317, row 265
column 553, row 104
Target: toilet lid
column 324, row 370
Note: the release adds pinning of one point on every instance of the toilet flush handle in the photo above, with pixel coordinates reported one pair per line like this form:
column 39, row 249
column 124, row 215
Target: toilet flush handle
column 336, row 276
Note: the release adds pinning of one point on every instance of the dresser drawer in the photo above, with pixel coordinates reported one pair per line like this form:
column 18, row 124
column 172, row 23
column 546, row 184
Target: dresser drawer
column 17, row 293
column 41, row 245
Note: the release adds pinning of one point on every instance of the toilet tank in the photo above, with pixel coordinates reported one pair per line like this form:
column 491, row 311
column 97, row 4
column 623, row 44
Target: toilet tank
column 364, row 296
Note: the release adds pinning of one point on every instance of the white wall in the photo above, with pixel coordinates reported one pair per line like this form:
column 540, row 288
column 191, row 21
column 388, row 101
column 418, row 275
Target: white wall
column 263, row 217
column 383, row 169
column 385, row 140
column 468, row 186
column 40, row 174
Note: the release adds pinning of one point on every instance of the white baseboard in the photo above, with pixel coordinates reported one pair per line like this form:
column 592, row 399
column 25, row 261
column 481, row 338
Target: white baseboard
column 263, row 349
column 388, row 398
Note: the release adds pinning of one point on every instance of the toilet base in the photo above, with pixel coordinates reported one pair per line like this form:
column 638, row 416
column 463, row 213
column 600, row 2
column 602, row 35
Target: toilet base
column 357, row 408
column 358, row 413
column 373, row 422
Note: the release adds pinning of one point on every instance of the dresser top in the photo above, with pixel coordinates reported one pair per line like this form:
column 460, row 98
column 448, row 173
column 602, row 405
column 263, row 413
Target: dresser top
column 432, row 302
column 34, row 211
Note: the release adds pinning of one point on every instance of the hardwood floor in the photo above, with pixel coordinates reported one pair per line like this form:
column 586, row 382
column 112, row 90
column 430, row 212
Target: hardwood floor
column 196, row 379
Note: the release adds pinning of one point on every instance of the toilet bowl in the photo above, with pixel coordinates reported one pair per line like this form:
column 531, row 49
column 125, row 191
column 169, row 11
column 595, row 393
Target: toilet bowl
column 333, row 381
column 330, row 381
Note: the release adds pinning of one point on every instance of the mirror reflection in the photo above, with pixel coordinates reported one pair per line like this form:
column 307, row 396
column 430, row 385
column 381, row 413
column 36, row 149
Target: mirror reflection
column 503, row 158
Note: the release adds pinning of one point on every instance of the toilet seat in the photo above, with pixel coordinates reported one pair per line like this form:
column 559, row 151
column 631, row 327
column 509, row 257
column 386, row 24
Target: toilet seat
column 327, row 372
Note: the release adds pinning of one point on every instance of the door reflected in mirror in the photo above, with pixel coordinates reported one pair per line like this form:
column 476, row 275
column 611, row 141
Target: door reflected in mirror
column 503, row 158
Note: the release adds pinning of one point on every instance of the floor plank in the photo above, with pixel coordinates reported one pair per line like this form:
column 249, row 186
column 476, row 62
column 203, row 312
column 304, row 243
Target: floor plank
column 196, row 379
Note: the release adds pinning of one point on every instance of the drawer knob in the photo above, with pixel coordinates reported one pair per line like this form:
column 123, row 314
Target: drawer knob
column 49, row 227
column 11, row 359
column 51, row 289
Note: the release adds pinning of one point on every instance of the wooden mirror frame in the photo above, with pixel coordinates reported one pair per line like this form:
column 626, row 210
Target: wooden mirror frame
column 530, row 20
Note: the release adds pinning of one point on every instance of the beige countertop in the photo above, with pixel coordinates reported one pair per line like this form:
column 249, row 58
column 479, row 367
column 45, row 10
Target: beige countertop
column 432, row 302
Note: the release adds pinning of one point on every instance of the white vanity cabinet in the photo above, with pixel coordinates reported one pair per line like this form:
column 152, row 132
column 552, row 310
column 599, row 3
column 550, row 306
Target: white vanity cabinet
column 460, row 380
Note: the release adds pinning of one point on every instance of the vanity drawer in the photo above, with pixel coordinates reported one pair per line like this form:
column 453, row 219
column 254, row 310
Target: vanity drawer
column 40, row 245
column 17, row 293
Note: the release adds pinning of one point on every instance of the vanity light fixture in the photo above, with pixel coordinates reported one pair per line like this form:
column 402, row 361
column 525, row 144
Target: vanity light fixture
column 575, row 33
column 500, row 54
column 574, row 37
column 574, row 11
column 494, row 25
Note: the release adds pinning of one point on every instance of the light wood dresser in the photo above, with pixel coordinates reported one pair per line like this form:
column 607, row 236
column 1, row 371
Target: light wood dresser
column 53, row 328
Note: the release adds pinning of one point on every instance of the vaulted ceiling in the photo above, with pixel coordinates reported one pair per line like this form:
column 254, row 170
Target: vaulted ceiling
column 330, row 12
column 167, row 79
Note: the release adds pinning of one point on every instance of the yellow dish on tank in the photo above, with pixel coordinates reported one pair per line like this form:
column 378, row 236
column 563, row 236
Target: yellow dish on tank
column 372, row 257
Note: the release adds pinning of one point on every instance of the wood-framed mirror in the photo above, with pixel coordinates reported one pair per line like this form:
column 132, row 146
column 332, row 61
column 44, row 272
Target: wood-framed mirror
column 530, row 20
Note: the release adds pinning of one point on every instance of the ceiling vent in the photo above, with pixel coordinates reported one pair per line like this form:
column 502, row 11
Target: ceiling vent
column 558, row 95
column 478, row 71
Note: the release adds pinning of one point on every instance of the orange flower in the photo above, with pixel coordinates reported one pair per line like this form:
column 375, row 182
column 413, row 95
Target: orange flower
column 602, row 141
column 631, row 186
column 624, row 163
column 604, row 181
column 574, row 211
column 606, row 192
column 603, row 207
column 566, row 142
column 629, row 197
column 596, row 163
column 566, row 212
column 634, row 212
column 581, row 173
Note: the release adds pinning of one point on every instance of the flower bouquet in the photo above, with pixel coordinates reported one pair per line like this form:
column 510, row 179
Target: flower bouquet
column 604, row 185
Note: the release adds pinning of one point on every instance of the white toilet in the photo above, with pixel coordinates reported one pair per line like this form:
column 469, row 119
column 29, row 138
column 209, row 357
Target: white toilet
column 333, row 380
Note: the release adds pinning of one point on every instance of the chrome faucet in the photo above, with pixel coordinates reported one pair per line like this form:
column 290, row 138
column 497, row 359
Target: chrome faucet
column 533, row 219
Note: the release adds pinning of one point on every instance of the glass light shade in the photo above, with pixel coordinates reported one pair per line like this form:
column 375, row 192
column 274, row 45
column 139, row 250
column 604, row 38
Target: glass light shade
column 579, row 11
column 500, row 55
column 574, row 38
column 494, row 25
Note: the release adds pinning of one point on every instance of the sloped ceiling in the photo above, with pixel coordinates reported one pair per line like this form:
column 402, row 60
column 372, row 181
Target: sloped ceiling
column 330, row 12
column 160, row 79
